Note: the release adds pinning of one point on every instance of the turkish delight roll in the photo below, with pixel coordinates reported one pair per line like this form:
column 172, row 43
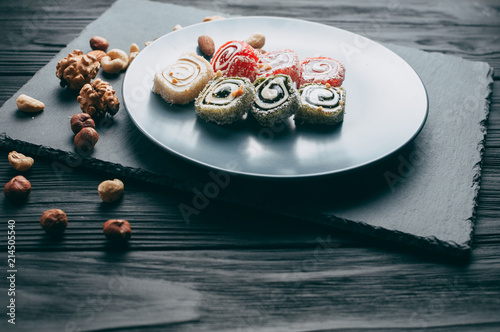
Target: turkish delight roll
column 279, row 62
column 320, row 104
column 276, row 99
column 235, row 58
column 225, row 100
column 183, row 80
column 322, row 70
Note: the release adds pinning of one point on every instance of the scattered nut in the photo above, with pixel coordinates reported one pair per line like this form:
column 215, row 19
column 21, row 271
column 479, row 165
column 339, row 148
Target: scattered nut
column 77, row 69
column 110, row 190
column 17, row 189
column 117, row 229
column 147, row 43
column 98, row 54
column 212, row 18
column 54, row 222
column 86, row 139
column 257, row 40
column 98, row 98
column 99, row 43
column 134, row 50
column 177, row 27
column 27, row 104
column 80, row 121
column 19, row 161
column 206, row 45
column 115, row 61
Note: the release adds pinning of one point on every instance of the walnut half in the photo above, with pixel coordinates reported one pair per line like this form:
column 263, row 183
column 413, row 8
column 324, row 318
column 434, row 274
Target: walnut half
column 77, row 69
column 98, row 98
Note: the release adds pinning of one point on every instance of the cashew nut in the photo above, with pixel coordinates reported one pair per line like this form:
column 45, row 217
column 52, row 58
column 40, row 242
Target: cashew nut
column 28, row 104
column 19, row 161
column 134, row 50
column 115, row 61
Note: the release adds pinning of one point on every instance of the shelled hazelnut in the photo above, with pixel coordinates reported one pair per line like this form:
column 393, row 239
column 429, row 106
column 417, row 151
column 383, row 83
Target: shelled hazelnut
column 117, row 230
column 80, row 121
column 257, row 40
column 54, row 221
column 110, row 190
column 19, row 161
column 17, row 189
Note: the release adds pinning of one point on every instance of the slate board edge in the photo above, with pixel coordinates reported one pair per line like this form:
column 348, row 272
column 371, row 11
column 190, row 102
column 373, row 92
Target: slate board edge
column 481, row 145
column 461, row 251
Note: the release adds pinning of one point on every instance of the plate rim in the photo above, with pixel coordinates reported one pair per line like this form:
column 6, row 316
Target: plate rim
column 280, row 176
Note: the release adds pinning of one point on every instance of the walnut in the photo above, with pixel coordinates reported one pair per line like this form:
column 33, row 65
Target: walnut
column 98, row 98
column 77, row 69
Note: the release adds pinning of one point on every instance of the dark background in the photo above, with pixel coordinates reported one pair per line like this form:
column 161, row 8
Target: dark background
column 236, row 267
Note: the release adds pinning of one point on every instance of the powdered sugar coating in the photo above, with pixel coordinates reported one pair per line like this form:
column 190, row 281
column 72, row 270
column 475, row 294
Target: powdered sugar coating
column 322, row 70
column 279, row 62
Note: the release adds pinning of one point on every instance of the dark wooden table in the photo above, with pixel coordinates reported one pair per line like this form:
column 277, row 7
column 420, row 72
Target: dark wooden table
column 234, row 269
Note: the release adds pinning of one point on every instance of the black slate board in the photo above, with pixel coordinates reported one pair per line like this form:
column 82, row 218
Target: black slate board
column 424, row 195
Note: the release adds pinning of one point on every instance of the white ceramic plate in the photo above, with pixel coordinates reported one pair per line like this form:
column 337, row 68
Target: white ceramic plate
column 386, row 104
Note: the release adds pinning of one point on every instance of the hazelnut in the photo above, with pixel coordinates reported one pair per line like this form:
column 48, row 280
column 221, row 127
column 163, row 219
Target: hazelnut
column 99, row 43
column 86, row 139
column 19, row 161
column 17, row 189
column 110, row 190
column 117, row 229
column 257, row 40
column 80, row 121
column 54, row 221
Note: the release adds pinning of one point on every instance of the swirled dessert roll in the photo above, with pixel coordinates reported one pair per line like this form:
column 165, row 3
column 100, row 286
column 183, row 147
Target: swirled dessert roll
column 225, row 100
column 322, row 70
column 183, row 80
column 235, row 58
column 320, row 104
column 276, row 99
column 279, row 62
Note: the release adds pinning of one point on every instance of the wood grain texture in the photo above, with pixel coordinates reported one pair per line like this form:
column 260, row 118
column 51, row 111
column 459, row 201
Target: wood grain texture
column 243, row 270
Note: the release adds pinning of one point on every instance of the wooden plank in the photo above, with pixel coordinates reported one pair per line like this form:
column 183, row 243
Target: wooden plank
column 344, row 284
column 319, row 288
column 158, row 223
column 437, row 28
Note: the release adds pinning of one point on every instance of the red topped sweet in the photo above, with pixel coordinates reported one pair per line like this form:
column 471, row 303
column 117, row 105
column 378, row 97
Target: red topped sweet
column 236, row 59
column 322, row 70
column 279, row 62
